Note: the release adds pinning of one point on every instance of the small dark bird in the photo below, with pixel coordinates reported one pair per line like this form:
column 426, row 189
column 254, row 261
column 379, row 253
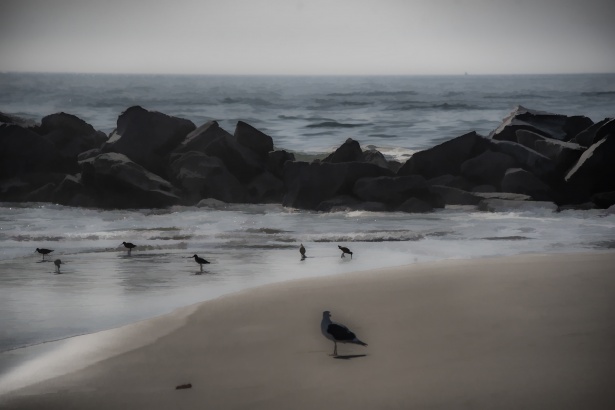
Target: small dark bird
column 302, row 252
column 57, row 262
column 345, row 250
column 337, row 332
column 129, row 246
column 200, row 261
column 44, row 251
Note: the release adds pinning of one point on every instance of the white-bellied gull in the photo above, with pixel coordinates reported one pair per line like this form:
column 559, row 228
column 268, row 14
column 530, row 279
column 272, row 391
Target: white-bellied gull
column 345, row 251
column 44, row 251
column 337, row 332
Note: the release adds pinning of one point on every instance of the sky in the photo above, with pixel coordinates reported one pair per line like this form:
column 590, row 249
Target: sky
column 308, row 37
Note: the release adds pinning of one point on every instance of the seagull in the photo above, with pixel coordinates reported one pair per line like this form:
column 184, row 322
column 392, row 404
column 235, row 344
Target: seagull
column 199, row 260
column 337, row 332
column 44, row 251
column 302, row 252
column 129, row 246
column 345, row 250
column 57, row 262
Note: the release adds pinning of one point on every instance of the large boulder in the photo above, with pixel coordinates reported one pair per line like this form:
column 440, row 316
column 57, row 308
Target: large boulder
column 201, row 176
column 71, row 135
column 265, row 188
column 23, row 151
column 526, row 158
column 253, row 139
column 309, row 184
column 214, row 141
column 391, row 190
column 594, row 172
column 520, row 181
column 376, row 157
column 445, row 158
column 276, row 160
column 487, row 168
column 349, row 151
column 454, row 196
column 560, row 127
column 587, row 137
column 122, row 183
column 147, row 137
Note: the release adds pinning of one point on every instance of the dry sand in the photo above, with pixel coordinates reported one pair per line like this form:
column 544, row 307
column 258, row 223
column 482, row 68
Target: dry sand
column 523, row 332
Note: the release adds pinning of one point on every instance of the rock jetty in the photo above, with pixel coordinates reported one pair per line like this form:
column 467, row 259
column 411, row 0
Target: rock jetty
column 153, row 160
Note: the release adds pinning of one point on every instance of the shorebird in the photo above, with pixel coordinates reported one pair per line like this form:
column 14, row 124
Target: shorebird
column 337, row 332
column 302, row 252
column 200, row 261
column 129, row 246
column 44, row 251
column 345, row 250
column 57, row 262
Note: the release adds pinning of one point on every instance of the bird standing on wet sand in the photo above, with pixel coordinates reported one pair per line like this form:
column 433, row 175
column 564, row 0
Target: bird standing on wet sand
column 200, row 261
column 337, row 332
column 345, row 250
column 44, row 251
column 302, row 252
column 129, row 246
column 57, row 262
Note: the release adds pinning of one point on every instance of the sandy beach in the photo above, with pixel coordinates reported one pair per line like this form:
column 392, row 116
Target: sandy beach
column 522, row 332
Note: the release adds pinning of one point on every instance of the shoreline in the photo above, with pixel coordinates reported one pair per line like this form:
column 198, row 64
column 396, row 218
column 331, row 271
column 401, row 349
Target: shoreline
column 451, row 311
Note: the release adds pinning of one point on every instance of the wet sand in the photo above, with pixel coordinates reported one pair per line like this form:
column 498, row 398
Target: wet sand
column 522, row 332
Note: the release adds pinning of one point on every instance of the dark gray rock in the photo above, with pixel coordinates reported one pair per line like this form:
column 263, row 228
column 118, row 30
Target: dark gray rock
column 265, row 188
column 201, row 176
column 529, row 138
column 486, row 188
column 587, row 137
column 147, row 137
column 212, row 140
column 445, row 158
column 23, row 151
column 452, row 181
column 454, row 196
column 253, row 139
column 608, row 128
column 549, row 125
column 122, row 183
column 276, row 160
column 89, row 154
column 604, row 199
column 309, row 184
column 349, row 151
column 507, row 205
column 376, row 157
column 10, row 119
column 520, row 181
column 390, row 190
column 526, row 158
column 415, row 205
column 487, row 168
column 71, row 135
column 594, row 172
column 68, row 189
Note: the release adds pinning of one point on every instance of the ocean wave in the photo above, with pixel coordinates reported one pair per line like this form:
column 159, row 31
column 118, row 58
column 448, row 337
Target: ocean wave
column 334, row 124
column 514, row 97
column 456, row 106
column 370, row 236
column 247, row 101
column 373, row 93
column 506, row 238
column 598, row 93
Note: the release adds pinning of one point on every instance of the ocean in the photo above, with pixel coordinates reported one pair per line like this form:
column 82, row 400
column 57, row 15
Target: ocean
column 102, row 287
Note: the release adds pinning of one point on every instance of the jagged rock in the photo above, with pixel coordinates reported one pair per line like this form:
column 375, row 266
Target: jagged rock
column 253, row 139
column 338, row 204
column 349, row 151
column 529, row 138
column 605, row 130
column 265, row 188
column 506, row 196
column 89, row 154
column 550, row 125
column 520, row 181
column 70, row 134
column 23, row 151
column 122, row 183
column 604, row 199
column 507, row 205
column 445, row 158
column 486, row 188
column 68, row 189
column 594, row 172
column 376, row 157
column 201, row 176
column 415, row 205
column 10, row 119
column 526, row 158
column 452, row 181
column 276, row 160
column 309, row 184
column 147, row 137
column 487, row 168
column 41, row 194
column 454, row 196
column 390, row 190
column 212, row 140
column 587, row 137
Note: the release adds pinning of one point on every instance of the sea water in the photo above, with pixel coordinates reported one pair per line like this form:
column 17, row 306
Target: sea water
column 100, row 286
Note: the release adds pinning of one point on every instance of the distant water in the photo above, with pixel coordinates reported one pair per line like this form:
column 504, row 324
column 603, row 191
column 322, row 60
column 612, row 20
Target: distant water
column 313, row 115
column 248, row 245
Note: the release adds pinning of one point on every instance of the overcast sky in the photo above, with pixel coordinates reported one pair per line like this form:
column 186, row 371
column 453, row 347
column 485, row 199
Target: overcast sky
column 340, row 37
